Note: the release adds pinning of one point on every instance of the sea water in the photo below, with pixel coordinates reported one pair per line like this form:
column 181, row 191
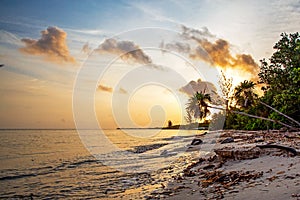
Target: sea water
column 51, row 164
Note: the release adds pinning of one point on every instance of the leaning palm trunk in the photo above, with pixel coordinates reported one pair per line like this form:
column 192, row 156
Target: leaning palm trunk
column 291, row 119
column 254, row 116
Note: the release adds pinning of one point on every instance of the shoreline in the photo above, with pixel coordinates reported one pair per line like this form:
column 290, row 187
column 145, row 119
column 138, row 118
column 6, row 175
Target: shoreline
column 240, row 168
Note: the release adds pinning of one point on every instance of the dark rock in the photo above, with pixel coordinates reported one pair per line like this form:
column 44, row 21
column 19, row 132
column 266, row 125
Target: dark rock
column 283, row 129
column 289, row 177
column 209, row 166
column 227, row 140
column 196, row 141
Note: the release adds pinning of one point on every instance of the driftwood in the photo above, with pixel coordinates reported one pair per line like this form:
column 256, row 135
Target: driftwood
column 289, row 149
column 238, row 154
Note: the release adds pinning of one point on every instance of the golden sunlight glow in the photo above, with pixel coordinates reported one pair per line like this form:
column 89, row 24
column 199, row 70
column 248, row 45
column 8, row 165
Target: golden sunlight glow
column 153, row 105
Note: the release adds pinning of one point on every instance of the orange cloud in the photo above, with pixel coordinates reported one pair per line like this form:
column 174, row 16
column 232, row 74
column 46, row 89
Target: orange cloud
column 52, row 45
column 218, row 53
column 247, row 63
column 127, row 50
column 105, row 88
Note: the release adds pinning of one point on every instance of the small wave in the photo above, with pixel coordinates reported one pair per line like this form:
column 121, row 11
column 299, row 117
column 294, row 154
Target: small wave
column 12, row 177
column 44, row 170
column 178, row 137
column 144, row 148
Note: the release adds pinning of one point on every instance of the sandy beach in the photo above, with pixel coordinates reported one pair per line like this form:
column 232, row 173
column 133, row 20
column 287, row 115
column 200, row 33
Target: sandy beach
column 242, row 165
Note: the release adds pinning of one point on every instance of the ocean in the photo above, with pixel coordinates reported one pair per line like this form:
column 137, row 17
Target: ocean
column 63, row 164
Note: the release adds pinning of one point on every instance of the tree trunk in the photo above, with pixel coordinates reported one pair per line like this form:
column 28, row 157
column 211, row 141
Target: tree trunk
column 254, row 116
column 246, row 102
column 263, row 103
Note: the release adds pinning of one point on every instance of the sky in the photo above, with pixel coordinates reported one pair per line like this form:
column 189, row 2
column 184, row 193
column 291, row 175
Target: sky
column 109, row 64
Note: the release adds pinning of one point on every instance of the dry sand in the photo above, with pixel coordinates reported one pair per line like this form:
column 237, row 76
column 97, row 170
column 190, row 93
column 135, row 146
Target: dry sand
column 240, row 170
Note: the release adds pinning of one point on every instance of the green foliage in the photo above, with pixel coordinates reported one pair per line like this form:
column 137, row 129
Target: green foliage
column 244, row 94
column 217, row 121
column 281, row 79
column 284, row 63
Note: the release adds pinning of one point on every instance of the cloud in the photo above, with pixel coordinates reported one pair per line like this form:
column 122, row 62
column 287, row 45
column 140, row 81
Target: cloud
column 96, row 32
column 9, row 38
column 152, row 11
column 105, row 88
column 195, row 34
column 214, row 51
column 201, row 86
column 122, row 91
column 218, row 53
column 86, row 48
column 179, row 47
column 127, row 50
column 197, row 86
column 52, row 45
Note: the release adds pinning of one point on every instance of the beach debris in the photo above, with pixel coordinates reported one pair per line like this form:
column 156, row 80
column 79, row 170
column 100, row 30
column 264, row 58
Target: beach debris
column 188, row 170
column 208, row 166
column 230, row 178
column 291, row 135
column 196, row 141
column 259, row 139
column 296, row 195
column 272, row 178
column 289, row 149
column 283, row 129
column 215, row 178
column 227, row 140
column 238, row 153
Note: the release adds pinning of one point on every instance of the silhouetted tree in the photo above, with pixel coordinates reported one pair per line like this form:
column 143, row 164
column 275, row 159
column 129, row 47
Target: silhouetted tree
column 170, row 123
column 197, row 105
column 244, row 95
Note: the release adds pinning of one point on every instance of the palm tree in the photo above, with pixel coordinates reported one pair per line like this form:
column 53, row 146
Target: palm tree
column 198, row 104
column 244, row 94
column 245, row 97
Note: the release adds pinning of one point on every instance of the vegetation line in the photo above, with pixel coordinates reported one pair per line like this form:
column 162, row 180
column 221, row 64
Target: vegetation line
column 279, row 112
column 279, row 79
column 254, row 116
